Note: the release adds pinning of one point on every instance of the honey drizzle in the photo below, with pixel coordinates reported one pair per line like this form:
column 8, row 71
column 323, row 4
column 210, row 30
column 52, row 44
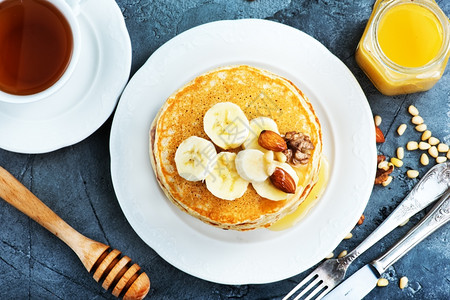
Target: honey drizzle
column 304, row 207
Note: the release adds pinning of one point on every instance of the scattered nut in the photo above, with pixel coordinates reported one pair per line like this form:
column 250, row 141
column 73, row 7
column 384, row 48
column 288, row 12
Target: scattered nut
column 400, row 153
column 271, row 140
column 387, row 181
column 433, row 151
column 412, row 173
column 348, row 236
column 403, row 282
column 424, row 146
column 426, row 135
column 401, row 129
column 377, row 120
column 383, row 165
column 442, row 147
column 380, row 158
column 329, row 256
column 384, row 168
column 413, row 110
column 421, row 128
column 448, row 154
column 283, row 181
column 433, row 141
column 379, row 136
column 342, row 254
column 382, row 282
column 361, row 220
column 441, row 159
column 396, row 162
column 424, row 160
column 404, row 223
column 412, row 145
column 417, row 120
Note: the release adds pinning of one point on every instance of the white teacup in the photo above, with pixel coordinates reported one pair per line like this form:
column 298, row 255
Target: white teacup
column 69, row 12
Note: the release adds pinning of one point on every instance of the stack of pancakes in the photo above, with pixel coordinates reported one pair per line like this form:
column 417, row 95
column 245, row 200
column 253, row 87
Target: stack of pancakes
column 258, row 93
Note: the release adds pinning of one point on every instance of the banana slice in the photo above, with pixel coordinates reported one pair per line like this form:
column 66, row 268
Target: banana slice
column 256, row 126
column 226, row 125
column 195, row 158
column 224, row 181
column 267, row 190
column 251, row 166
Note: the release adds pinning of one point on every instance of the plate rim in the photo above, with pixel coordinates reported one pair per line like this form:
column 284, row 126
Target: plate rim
column 254, row 22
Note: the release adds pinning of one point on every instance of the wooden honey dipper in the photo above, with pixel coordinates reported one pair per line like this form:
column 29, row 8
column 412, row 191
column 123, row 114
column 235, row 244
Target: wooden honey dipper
column 117, row 274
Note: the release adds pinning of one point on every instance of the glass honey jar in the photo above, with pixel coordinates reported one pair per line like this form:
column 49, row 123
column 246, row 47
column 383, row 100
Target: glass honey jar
column 405, row 46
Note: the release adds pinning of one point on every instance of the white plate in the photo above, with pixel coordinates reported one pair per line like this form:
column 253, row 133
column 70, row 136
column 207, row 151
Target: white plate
column 87, row 99
column 259, row 256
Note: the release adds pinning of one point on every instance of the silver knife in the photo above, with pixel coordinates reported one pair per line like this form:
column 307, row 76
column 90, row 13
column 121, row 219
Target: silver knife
column 365, row 279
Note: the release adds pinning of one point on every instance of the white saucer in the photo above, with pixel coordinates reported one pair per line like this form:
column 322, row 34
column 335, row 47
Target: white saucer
column 84, row 103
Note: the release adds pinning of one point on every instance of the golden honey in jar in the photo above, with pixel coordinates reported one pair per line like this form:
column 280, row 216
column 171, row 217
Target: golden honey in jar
column 405, row 46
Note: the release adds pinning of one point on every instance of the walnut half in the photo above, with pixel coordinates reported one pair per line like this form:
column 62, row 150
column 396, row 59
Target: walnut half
column 299, row 146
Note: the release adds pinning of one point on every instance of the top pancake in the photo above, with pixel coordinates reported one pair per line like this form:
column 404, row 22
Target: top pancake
column 258, row 93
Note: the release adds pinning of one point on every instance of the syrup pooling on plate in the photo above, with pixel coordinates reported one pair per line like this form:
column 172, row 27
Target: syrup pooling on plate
column 315, row 194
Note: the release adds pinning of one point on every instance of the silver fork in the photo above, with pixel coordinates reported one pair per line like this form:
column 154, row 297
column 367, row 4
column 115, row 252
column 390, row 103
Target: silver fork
column 331, row 272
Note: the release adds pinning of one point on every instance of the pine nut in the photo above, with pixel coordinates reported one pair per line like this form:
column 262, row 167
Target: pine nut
column 412, row 173
column 400, row 153
column 348, row 236
column 441, row 159
column 417, row 120
column 421, row 127
column 442, row 147
column 403, row 282
column 401, row 129
column 280, row 157
column 424, row 146
column 404, row 223
column 383, row 165
column 396, row 162
column 413, row 110
column 377, row 120
column 268, row 156
column 433, row 141
column 382, row 282
column 329, row 256
column 433, row 151
column 342, row 254
column 424, row 160
column 426, row 135
column 412, row 145
column 387, row 181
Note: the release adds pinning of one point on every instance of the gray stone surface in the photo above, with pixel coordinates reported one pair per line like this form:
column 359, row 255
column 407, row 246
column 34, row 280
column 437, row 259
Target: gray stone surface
column 75, row 181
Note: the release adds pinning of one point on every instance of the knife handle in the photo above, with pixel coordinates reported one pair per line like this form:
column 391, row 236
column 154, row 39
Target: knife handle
column 437, row 217
column 432, row 185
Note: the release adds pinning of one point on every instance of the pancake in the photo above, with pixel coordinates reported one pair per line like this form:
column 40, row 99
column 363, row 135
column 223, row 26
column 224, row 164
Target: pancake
column 258, row 93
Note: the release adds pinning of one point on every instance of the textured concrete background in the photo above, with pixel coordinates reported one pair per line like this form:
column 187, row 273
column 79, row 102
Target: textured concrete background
column 75, row 181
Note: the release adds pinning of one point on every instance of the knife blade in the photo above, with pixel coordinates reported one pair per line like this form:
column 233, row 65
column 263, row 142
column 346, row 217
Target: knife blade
column 365, row 279
column 356, row 286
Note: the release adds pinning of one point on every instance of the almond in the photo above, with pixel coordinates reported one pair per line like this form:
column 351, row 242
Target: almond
column 271, row 140
column 361, row 220
column 283, row 181
column 379, row 135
